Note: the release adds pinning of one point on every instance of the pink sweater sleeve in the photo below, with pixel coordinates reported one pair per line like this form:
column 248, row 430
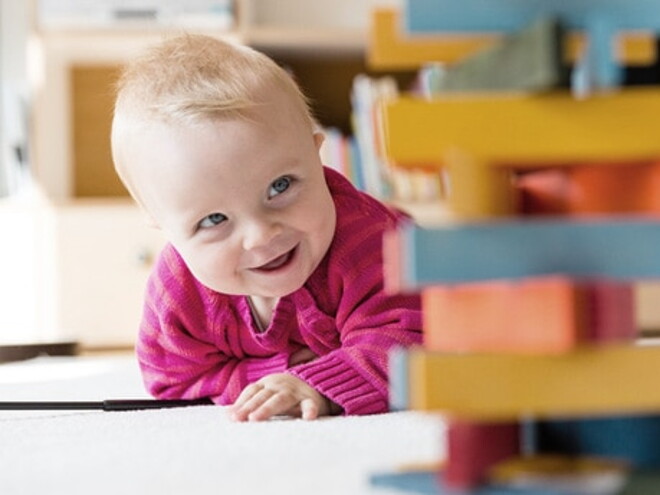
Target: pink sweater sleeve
column 180, row 354
column 369, row 321
column 355, row 375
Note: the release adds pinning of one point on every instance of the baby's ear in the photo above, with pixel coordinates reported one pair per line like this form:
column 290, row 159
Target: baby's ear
column 319, row 137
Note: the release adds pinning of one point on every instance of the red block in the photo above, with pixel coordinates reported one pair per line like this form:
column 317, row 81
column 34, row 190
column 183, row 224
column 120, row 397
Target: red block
column 544, row 192
column 473, row 448
column 610, row 310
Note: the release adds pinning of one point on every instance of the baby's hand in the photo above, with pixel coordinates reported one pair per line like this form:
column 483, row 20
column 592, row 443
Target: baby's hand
column 304, row 355
column 279, row 393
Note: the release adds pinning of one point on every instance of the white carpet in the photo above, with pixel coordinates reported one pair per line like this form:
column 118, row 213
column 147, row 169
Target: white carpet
column 194, row 450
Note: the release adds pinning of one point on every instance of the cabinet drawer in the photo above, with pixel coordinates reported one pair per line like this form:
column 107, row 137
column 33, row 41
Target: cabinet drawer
column 100, row 259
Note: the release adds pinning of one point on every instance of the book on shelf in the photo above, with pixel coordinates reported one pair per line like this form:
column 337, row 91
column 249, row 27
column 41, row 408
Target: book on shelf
column 382, row 178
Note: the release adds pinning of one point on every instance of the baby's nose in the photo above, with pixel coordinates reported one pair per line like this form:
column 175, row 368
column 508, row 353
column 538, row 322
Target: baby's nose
column 259, row 233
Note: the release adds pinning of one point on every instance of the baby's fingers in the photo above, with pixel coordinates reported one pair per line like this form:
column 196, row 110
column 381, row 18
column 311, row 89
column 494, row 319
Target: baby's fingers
column 309, row 409
column 278, row 403
column 250, row 399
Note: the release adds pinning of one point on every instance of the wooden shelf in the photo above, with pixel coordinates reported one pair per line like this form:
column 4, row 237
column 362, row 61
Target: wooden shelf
column 426, row 213
column 322, row 40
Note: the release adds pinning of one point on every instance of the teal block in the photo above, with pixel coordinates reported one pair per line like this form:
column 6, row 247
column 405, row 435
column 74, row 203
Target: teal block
column 635, row 439
column 619, row 249
column 432, row 16
column 422, row 482
column 600, row 71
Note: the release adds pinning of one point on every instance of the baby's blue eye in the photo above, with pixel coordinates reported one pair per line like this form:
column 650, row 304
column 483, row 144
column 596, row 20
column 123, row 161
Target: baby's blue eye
column 212, row 220
column 279, row 186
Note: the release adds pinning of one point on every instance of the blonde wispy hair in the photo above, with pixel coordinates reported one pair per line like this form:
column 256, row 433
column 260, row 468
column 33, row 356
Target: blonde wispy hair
column 193, row 77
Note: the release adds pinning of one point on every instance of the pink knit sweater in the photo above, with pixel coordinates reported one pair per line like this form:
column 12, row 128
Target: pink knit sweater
column 195, row 342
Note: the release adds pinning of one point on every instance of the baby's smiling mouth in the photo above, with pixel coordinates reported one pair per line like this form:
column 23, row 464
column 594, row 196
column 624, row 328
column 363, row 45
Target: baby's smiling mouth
column 277, row 262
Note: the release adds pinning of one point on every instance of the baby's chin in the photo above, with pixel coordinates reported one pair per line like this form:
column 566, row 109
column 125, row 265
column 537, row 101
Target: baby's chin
column 277, row 292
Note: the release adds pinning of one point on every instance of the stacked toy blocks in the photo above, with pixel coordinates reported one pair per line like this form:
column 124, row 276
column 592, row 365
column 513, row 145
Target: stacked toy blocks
column 531, row 344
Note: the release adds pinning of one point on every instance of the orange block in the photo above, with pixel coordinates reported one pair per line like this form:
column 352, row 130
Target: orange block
column 540, row 315
column 653, row 187
column 609, row 189
column 591, row 189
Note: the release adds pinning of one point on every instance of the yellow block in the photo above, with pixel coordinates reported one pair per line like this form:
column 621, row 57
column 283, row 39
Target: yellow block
column 389, row 48
column 543, row 469
column 525, row 130
column 477, row 190
column 588, row 381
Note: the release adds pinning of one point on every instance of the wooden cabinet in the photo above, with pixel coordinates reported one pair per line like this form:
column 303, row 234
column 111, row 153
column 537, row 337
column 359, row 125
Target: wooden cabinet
column 95, row 248
column 98, row 255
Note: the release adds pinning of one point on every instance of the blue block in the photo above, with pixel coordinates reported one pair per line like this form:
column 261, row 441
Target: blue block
column 432, row 16
column 430, row 483
column 633, row 438
column 597, row 69
column 399, row 379
column 619, row 249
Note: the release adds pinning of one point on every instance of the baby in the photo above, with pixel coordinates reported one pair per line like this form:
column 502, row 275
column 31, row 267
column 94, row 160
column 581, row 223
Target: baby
column 269, row 295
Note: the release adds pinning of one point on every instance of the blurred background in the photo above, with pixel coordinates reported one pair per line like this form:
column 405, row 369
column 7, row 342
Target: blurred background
column 75, row 252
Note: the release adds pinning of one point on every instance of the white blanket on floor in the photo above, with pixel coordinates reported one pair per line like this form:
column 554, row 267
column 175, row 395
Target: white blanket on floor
column 187, row 451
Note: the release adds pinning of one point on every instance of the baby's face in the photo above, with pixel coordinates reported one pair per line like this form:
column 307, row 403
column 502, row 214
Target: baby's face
column 244, row 202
